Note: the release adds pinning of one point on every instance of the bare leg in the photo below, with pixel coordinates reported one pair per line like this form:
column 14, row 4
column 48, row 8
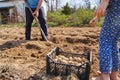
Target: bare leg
column 102, row 76
column 99, row 78
column 114, row 75
column 105, row 76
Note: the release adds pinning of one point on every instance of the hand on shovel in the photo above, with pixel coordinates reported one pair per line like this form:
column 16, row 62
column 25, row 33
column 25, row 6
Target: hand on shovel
column 36, row 13
column 93, row 22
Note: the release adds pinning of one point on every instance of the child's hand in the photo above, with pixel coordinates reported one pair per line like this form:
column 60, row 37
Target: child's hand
column 93, row 22
column 101, row 9
column 99, row 12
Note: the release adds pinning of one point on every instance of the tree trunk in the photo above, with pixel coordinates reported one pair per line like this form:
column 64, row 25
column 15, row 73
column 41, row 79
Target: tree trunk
column 56, row 5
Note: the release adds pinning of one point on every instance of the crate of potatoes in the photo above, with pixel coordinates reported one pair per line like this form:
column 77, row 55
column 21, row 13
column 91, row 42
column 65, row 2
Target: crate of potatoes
column 59, row 62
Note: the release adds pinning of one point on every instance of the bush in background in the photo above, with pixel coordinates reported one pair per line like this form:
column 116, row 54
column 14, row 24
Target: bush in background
column 56, row 18
column 80, row 17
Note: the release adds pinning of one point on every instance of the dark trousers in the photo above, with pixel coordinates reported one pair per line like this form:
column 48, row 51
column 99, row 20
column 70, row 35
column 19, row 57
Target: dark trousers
column 29, row 20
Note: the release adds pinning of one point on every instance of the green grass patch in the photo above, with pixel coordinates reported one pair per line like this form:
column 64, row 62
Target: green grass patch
column 9, row 25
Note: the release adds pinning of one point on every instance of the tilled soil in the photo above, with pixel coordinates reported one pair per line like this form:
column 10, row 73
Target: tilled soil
column 21, row 59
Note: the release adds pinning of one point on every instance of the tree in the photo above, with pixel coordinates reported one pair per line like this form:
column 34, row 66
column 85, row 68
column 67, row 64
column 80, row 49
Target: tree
column 48, row 4
column 56, row 4
column 66, row 9
column 52, row 2
column 87, row 2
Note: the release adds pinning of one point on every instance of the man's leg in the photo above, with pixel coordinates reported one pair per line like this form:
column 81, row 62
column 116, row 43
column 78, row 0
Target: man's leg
column 29, row 20
column 43, row 23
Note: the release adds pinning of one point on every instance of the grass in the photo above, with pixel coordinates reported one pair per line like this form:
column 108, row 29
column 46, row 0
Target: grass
column 9, row 25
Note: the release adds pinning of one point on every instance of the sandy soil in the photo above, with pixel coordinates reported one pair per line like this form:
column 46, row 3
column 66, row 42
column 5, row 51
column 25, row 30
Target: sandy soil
column 21, row 59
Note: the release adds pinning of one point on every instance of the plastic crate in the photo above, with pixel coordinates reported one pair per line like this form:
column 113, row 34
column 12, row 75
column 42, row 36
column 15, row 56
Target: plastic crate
column 56, row 68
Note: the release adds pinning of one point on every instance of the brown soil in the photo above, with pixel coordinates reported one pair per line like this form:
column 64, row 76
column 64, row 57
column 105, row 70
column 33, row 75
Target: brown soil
column 21, row 59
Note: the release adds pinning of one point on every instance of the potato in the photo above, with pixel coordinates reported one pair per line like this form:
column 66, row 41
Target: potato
column 56, row 57
column 69, row 62
column 79, row 59
column 72, row 76
column 56, row 60
column 59, row 59
column 83, row 59
column 64, row 61
column 78, row 64
column 70, row 58
column 63, row 57
column 44, row 78
column 75, row 63
column 57, row 78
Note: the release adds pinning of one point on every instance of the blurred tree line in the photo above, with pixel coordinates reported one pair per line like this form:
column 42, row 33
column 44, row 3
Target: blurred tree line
column 54, row 5
column 70, row 16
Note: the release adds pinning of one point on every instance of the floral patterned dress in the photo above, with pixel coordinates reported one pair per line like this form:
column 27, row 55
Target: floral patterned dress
column 108, row 40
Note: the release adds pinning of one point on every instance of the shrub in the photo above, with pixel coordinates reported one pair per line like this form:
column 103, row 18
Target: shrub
column 79, row 18
column 57, row 18
column 52, row 24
